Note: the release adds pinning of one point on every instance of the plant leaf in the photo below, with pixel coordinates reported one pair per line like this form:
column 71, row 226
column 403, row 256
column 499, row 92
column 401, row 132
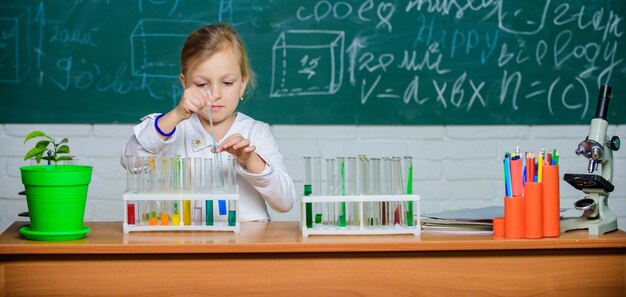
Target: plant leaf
column 38, row 157
column 35, row 152
column 34, row 134
column 43, row 143
column 64, row 149
column 64, row 140
column 65, row 158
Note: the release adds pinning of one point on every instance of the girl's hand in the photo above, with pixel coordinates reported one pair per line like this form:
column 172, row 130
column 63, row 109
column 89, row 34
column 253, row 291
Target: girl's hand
column 244, row 151
column 194, row 99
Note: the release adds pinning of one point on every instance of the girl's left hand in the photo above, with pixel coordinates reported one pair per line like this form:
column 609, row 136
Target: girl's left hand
column 243, row 150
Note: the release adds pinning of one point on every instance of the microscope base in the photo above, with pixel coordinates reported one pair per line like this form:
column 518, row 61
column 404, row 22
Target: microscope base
column 605, row 222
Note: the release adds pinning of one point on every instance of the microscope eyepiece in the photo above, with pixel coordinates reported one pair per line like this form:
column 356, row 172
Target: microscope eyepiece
column 603, row 102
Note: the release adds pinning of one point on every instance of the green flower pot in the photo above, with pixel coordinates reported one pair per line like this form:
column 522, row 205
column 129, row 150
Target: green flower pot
column 56, row 197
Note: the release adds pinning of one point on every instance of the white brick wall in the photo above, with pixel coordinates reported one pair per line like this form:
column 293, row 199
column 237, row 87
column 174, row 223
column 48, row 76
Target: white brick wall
column 457, row 166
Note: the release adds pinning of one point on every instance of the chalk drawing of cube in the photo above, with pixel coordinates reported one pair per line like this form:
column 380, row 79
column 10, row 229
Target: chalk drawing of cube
column 307, row 62
column 15, row 43
column 155, row 46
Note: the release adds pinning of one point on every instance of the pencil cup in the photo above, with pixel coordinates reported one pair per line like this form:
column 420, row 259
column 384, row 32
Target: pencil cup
column 514, row 217
column 498, row 227
column 551, row 199
column 533, row 210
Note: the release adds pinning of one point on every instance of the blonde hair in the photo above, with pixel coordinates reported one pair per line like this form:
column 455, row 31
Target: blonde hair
column 210, row 39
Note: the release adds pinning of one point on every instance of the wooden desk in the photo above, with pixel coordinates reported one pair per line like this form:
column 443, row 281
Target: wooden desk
column 272, row 259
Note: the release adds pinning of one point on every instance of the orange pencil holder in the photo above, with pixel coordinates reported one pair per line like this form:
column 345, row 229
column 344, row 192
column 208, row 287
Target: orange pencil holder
column 551, row 202
column 533, row 210
column 498, row 227
column 514, row 217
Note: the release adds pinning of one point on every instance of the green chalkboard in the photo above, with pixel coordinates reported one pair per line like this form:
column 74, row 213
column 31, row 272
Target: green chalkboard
column 321, row 62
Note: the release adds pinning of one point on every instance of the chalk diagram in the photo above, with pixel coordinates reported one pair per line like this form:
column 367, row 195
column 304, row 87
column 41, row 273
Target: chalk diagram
column 14, row 41
column 152, row 43
column 307, row 62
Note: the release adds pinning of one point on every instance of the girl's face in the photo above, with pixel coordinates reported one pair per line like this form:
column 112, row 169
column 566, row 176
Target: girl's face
column 221, row 75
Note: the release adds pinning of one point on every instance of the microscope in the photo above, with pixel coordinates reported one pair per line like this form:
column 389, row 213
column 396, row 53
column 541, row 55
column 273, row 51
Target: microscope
column 597, row 217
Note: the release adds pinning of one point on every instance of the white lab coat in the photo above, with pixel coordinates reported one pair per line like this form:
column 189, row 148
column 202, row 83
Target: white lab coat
column 273, row 185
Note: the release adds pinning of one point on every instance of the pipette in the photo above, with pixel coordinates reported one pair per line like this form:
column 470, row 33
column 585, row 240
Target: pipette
column 220, row 179
column 211, row 123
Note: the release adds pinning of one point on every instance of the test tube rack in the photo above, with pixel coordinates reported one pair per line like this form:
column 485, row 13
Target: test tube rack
column 220, row 222
column 361, row 227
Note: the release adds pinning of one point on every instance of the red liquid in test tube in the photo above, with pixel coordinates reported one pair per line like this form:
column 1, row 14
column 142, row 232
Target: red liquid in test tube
column 131, row 213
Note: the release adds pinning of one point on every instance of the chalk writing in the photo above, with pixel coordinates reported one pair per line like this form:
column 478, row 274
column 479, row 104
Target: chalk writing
column 404, row 62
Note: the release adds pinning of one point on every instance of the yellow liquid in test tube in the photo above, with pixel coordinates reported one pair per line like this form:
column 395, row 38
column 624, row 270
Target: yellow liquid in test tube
column 175, row 215
column 187, row 212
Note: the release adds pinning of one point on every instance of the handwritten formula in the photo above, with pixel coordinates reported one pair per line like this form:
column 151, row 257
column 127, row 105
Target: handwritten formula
column 321, row 62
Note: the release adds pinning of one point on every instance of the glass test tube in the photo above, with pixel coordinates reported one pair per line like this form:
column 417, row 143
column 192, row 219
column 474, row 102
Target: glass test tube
column 407, row 167
column 308, row 172
column 331, row 189
column 374, row 206
column 150, row 187
column 209, row 188
column 162, row 207
column 363, row 176
column 152, row 174
column 385, row 189
column 231, row 186
column 218, row 175
column 352, row 208
column 131, row 174
column 154, row 205
column 140, row 170
column 175, row 181
column 398, row 189
column 341, row 163
column 141, row 177
column 317, row 188
column 131, row 187
column 163, row 173
column 196, row 189
column 187, row 188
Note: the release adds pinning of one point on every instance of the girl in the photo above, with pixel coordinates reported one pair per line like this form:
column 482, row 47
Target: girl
column 215, row 73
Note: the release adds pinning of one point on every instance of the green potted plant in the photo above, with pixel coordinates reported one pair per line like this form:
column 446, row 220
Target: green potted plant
column 56, row 194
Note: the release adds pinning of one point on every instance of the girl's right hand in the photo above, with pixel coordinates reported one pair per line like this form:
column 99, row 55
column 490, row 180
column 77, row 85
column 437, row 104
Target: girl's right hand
column 193, row 100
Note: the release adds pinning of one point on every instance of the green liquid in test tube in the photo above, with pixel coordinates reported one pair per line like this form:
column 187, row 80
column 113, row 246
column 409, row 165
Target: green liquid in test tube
column 232, row 213
column 309, row 207
column 342, row 170
column 209, row 212
column 317, row 188
column 232, row 218
column 307, row 192
column 409, row 191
